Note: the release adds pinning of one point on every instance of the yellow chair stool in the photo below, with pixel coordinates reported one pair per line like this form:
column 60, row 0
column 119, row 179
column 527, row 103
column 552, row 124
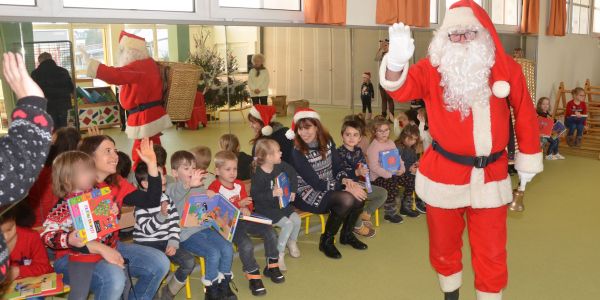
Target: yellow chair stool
column 377, row 217
column 188, row 286
column 306, row 215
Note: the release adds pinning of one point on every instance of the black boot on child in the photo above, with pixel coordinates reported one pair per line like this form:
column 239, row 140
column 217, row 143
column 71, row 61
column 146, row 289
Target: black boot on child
column 256, row 284
column 272, row 271
column 224, row 288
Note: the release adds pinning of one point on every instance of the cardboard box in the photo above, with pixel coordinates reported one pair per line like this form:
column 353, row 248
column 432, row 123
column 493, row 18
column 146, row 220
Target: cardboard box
column 293, row 106
column 280, row 104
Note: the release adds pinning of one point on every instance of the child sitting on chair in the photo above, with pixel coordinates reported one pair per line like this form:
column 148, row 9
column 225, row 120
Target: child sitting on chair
column 576, row 117
column 545, row 121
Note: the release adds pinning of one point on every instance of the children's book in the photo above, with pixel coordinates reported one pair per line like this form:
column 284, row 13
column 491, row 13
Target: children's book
column 44, row 285
column 216, row 212
column 92, row 216
column 283, row 181
column 256, row 218
column 559, row 128
column 390, row 160
column 368, row 186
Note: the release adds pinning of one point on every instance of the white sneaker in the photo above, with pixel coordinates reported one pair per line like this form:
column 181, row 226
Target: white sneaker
column 293, row 247
column 550, row 157
column 558, row 156
column 281, row 262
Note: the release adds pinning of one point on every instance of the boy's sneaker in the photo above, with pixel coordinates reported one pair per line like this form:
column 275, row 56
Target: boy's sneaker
column 550, row 157
column 272, row 271
column 420, row 205
column 406, row 208
column 293, row 248
column 396, row 218
column 558, row 156
column 255, row 283
column 365, row 231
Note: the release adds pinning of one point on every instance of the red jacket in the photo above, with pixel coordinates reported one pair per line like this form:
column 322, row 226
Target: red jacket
column 140, row 83
column 572, row 108
column 41, row 198
column 234, row 195
column 446, row 184
column 30, row 254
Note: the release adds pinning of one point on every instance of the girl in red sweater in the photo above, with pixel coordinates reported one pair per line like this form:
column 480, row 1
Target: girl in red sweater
column 576, row 116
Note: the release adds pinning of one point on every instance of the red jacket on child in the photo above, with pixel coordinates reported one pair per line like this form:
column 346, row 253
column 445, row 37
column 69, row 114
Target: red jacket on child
column 234, row 195
column 572, row 108
column 30, row 254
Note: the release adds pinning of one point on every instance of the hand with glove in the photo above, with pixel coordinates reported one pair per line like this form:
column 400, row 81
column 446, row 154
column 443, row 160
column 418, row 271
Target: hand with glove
column 401, row 48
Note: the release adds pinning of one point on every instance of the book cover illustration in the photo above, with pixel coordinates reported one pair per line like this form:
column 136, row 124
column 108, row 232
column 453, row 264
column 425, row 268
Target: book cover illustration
column 44, row 285
column 91, row 214
column 216, row 212
column 390, row 160
column 283, row 181
column 559, row 128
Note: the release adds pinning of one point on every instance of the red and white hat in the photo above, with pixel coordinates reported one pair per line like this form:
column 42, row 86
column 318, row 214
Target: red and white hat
column 302, row 113
column 128, row 40
column 266, row 114
column 467, row 12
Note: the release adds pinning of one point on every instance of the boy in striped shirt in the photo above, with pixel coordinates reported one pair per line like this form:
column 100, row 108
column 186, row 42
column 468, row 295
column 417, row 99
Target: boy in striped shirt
column 158, row 228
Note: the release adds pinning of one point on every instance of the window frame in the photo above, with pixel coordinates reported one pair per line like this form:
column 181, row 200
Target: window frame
column 194, row 8
column 590, row 27
column 595, row 6
column 486, row 4
column 262, row 8
column 154, row 28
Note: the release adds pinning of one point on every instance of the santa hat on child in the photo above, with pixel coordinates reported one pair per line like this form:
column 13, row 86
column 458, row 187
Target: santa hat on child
column 266, row 114
column 129, row 40
column 467, row 12
column 302, row 113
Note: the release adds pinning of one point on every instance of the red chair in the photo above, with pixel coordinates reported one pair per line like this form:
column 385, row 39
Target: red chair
column 198, row 113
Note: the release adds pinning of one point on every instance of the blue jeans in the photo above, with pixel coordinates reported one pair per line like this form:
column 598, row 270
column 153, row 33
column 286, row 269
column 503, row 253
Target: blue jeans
column 108, row 280
column 217, row 252
column 146, row 264
column 575, row 123
column 552, row 145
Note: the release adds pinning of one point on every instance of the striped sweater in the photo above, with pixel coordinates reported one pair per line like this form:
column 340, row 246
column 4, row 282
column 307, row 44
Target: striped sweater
column 152, row 226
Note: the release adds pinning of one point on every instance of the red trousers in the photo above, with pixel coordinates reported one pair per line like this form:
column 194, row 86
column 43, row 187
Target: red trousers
column 487, row 236
column 135, row 157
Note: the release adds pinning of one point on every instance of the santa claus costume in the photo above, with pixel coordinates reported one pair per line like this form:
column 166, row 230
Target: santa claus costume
column 141, row 90
column 468, row 84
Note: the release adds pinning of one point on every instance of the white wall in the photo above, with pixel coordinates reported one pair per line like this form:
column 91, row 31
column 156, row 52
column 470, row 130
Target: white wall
column 572, row 59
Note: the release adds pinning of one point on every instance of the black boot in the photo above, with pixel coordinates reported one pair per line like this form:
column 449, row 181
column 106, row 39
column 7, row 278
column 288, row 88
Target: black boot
column 256, row 284
column 212, row 292
column 347, row 236
column 272, row 271
column 406, row 208
column 224, row 287
column 331, row 228
column 451, row 295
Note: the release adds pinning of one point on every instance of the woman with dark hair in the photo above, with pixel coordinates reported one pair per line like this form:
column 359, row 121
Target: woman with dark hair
column 323, row 185
column 146, row 264
column 261, row 118
column 41, row 199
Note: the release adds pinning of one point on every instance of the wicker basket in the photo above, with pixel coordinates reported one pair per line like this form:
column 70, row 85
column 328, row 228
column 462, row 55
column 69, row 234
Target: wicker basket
column 182, row 83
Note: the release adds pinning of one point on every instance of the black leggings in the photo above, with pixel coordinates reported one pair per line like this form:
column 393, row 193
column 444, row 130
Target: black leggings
column 366, row 104
column 342, row 202
column 386, row 102
column 259, row 100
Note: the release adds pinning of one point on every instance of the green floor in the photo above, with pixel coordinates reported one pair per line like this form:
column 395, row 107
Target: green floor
column 553, row 246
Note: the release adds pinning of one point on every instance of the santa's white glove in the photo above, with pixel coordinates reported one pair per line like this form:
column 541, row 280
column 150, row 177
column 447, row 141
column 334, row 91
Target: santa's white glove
column 401, row 48
column 525, row 178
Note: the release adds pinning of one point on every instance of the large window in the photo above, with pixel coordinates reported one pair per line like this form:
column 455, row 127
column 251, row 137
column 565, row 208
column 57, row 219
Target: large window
column 264, row 4
column 450, row 2
column 505, row 12
column 597, row 16
column 433, row 11
column 579, row 16
column 156, row 36
column 161, row 5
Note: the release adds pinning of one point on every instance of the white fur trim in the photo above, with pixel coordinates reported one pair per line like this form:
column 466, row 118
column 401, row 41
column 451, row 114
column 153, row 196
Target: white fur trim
column 482, row 128
column 92, row 68
column 307, row 114
column 460, row 16
column 290, row 135
column 501, row 89
column 530, row 163
column 387, row 84
column 129, row 42
column 254, row 112
column 150, row 129
column 267, row 130
column 489, row 296
column 476, row 194
column 450, row 283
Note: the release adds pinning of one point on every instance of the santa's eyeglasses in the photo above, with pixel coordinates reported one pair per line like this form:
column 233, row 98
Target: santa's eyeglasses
column 458, row 36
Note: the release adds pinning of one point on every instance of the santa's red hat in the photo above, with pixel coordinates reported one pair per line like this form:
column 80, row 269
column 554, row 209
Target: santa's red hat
column 129, row 40
column 266, row 114
column 302, row 113
column 467, row 12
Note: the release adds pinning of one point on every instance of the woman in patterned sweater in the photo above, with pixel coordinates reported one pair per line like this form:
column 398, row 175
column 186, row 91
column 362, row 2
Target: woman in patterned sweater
column 323, row 186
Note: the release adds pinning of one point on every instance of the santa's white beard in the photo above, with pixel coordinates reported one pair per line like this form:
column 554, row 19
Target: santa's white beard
column 465, row 69
column 129, row 55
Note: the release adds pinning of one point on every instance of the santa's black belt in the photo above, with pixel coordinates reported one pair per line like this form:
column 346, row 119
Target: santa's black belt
column 472, row 161
column 144, row 106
